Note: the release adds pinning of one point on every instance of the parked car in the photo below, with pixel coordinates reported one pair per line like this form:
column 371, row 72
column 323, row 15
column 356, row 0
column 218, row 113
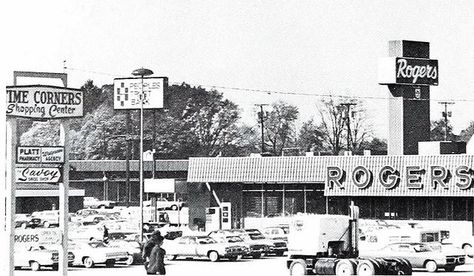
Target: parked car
column 128, row 242
column 202, row 246
column 430, row 256
column 48, row 218
column 37, row 257
column 26, row 221
column 257, row 247
column 87, row 212
column 164, row 204
column 91, row 253
column 92, row 202
column 276, row 232
column 225, row 237
column 277, row 247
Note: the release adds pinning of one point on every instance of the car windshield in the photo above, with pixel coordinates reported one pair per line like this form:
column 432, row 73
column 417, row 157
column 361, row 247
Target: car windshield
column 256, row 236
column 205, row 240
column 422, row 248
column 97, row 244
column 234, row 239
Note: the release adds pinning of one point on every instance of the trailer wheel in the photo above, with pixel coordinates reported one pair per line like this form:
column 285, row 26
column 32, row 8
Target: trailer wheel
column 365, row 268
column 431, row 266
column 345, row 268
column 298, row 267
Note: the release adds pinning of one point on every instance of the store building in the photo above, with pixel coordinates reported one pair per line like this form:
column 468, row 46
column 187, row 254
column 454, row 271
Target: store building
column 401, row 187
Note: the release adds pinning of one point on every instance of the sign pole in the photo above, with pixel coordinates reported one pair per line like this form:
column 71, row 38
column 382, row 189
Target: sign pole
column 63, row 198
column 10, row 192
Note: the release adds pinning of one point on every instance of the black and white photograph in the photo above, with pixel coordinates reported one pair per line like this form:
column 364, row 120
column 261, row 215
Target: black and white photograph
column 222, row 138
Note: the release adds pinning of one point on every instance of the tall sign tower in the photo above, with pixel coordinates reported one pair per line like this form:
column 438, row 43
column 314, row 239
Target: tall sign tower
column 408, row 73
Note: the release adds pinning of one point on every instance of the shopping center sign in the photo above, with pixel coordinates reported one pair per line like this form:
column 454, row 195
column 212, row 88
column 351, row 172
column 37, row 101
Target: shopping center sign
column 44, row 102
column 408, row 71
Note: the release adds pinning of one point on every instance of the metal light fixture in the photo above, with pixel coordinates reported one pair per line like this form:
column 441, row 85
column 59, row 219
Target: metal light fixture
column 141, row 72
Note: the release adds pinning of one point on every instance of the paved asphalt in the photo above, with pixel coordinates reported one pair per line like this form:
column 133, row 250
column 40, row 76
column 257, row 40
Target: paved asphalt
column 274, row 266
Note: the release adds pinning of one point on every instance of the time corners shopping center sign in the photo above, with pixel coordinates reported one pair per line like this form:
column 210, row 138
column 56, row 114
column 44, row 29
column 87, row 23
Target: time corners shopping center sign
column 44, row 102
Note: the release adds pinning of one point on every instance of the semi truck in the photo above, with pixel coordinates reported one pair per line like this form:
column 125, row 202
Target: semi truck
column 328, row 245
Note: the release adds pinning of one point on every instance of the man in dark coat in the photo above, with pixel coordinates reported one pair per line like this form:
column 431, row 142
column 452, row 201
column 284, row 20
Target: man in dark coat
column 157, row 256
column 153, row 255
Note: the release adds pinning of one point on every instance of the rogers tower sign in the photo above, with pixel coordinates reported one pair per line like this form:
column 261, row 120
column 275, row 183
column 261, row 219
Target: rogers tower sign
column 44, row 102
column 409, row 71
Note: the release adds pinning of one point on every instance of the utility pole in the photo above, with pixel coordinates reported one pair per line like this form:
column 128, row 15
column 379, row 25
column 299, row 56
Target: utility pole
column 348, row 122
column 261, row 118
column 446, row 114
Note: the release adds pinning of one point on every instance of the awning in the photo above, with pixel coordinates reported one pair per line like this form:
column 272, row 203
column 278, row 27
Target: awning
column 43, row 190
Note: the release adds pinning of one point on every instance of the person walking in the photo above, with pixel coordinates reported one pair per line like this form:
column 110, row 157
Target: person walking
column 105, row 237
column 157, row 259
column 153, row 255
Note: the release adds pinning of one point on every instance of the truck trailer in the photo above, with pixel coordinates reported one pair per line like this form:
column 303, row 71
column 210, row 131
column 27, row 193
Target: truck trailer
column 328, row 245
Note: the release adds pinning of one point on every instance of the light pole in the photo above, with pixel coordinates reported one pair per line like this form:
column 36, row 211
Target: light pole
column 141, row 72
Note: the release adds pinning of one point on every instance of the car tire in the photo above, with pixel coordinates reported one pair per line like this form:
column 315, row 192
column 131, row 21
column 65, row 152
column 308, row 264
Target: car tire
column 345, row 268
column 256, row 255
column 298, row 267
column 55, row 267
column 146, row 227
column 449, row 268
column 23, row 225
column 468, row 249
column 171, row 257
column 213, row 256
column 279, row 253
column 111, row 263
column 35, row 266
column 88, row 262
column 129, row 260
column 233, row 258
column 174, row 207
column 46, row 224
column 431, row 266
column 365, row 268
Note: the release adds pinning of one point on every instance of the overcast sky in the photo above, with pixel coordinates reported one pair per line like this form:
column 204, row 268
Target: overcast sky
column 308, row 47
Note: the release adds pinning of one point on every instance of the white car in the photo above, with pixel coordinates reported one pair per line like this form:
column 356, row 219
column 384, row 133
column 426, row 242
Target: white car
column 37, row 257
column 92, row 202
column 127, row 241
column 164, row 204
column 48, row 218
column 204, row 247
column 91, row 253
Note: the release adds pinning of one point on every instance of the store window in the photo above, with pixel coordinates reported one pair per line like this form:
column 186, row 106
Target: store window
column 421, row 208
column 252, row 203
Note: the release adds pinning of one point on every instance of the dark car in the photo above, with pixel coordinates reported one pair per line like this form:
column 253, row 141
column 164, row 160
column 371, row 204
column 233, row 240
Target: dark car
column 277, row 247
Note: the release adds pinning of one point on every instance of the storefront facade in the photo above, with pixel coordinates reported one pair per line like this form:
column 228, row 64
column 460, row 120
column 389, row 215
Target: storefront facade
column 399, row 187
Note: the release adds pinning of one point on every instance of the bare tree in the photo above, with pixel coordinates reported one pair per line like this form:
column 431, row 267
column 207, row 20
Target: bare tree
column 280, row 126
column 332, row 124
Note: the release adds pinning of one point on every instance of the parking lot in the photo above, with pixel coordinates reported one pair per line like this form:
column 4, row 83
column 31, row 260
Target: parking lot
column 265, row 266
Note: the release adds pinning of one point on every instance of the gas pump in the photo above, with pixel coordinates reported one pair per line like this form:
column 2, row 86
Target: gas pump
column 213, row 218
column 226, row 218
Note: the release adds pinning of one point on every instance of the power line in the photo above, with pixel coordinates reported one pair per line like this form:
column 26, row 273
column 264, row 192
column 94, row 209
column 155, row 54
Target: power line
column 270, row 92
